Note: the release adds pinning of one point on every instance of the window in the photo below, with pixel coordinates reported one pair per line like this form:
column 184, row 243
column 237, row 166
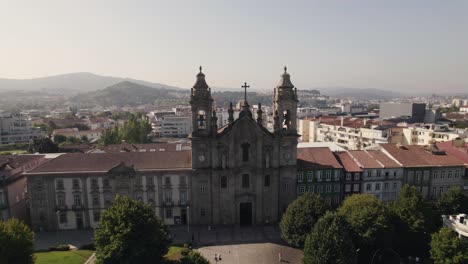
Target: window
column 394, row 174
column 441, row 189
column 348, row 188
column 310, row 176
column 436, row 174
column 245, row 151
column 183, row 197
column 182, row 180
column 327, row 175
column 426, row 175
column 368, row 187
column 97, row 216
column 76, row 184
column 168, row 196
column 395, row 186
column 202, row 188
column 320, row 189
column 95, row 200
column 348, row 176
column 336, row 200
column 356, row 176
column 449, row 174
column 149, row 181
column 245, row 181
column 77, row 199
column 328, row 188
column 267, row 181
column 300, row 176
column 336, row 188
column 386, row 186
column 286, row 187
column 337, row 175
column 105, row 182
column 311, row 189
column 223, row 182
column 202, row 212
column 94, row 183
column 356, row 187
column 167, row 180
column 377, row 186
column 387, row 174
column 457, row 173
column 301, row 189
column 63, row 217
column 442, row 174
column 379, row 173
column 319, row 175
column 168, row 213
column 138, row 181
column 434, row 191
column 59, row 184
column 61, row 199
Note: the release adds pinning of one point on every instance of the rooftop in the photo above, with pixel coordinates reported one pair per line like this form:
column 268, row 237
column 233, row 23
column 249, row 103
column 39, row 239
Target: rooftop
column 317, row 158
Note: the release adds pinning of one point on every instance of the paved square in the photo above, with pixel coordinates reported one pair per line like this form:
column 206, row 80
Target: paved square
column 254, row 253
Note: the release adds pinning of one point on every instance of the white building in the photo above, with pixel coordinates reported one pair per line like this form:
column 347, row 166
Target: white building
column 458, row 223
column 348, row 132
column 426, row 134
column 17, row 129
column 175, row 126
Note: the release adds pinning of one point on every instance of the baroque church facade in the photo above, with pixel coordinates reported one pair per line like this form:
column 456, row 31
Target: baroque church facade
column 243, row 174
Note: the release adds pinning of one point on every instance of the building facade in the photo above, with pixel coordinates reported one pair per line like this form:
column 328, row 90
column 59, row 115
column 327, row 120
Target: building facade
column 17, row 129
column 319, row 172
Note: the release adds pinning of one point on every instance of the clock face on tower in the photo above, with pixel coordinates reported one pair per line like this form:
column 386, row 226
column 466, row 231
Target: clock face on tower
column 201, row 157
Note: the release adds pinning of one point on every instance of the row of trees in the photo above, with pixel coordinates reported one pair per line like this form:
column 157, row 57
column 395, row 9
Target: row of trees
column 135, row 130
column 364, row 228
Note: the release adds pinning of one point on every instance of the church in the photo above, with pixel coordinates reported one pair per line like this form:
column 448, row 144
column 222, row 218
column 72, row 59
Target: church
column 238, row 174
column 243, row 174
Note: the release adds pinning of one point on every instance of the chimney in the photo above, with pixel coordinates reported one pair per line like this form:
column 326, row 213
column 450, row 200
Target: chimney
column 365, row 121
column 342, row 118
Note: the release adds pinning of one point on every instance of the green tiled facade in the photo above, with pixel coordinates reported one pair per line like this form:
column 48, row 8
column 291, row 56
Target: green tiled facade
column 325, row 182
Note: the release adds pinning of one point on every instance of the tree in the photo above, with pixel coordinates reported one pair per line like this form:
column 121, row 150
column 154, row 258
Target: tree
column 194, row 257
column 330, row 242
column 448, row 248
column 16, row 242
column 369, row 220
column 43, row 145
column 413, row 222
column 300, row 217
column 130, row 232
column 59, row 139
column 453, row 201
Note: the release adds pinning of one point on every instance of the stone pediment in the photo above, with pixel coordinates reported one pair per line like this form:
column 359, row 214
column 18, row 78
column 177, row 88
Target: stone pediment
column 122, row 169
column 245, row 124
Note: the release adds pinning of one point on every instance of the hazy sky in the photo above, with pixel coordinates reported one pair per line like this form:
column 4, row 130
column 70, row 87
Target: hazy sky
column 401, row 45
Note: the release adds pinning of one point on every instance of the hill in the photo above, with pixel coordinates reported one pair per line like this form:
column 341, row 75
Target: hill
column 71, row 83
column 127, row 93
column 359, row 93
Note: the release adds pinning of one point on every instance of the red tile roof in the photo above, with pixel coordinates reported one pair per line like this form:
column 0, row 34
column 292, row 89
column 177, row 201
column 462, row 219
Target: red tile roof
column 460, row 153
column 365, row 159
column 348, row 162
column 127, row 147
column 384, row 159
column 417, row 156
column 16, row 161
column 103, row 162
column 317, row 158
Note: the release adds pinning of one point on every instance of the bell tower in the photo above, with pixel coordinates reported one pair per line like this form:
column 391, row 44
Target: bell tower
column 202, row 107
column 285, row 105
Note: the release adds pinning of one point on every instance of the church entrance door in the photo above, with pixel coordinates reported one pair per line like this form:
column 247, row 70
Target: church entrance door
column 245, row 213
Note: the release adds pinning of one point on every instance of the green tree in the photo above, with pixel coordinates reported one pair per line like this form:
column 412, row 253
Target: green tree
column 330, row 242
column 16, row 242
column 194, row 257
column 452, row 201
column 130, row 232
column 413, row 222
column 300, row 217
column 369, row 220
column 43, row 145
column 59, row 139
column 448, row 248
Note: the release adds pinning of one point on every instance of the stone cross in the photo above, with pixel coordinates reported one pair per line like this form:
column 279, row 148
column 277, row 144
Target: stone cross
column 245, row 86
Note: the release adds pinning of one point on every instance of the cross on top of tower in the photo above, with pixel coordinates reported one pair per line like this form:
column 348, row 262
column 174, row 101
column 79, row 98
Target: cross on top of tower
column 200, row 69
column 285, row 69
column 245, row 86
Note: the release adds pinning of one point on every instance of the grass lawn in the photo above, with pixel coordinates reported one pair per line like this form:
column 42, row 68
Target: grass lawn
column 174, row 253
column 63, row 257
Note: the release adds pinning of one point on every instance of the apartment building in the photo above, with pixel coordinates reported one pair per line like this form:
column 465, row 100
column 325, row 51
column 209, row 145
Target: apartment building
column 17, row 129
column 427, row 134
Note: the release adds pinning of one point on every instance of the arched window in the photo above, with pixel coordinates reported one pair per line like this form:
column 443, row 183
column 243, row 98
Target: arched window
column 201, row 119
column 245, row 152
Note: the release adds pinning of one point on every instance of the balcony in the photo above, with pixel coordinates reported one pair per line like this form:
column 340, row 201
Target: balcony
column 62, row 207
column 77, row 207
column 183, row 203
column 168, row 203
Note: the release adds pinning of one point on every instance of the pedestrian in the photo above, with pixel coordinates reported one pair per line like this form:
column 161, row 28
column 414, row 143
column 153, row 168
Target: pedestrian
column 280, row 259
